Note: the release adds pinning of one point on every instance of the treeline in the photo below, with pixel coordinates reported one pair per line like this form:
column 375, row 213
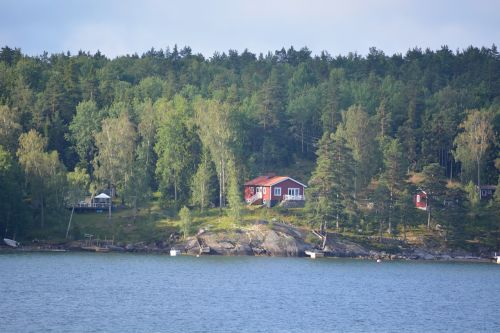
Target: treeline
column 193, row 128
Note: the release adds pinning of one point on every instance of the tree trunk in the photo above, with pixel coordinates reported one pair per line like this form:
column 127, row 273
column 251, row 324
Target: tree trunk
column 220, row 187
column 302, row 137
column 428, row 215
column 389, row 229
column 135, row 207
column 223, row 184
column 42, row 213
column 202, row 198
column 403, row 222
column 451, row 170
column 381, row 225
column 478, row 177
column 175, row 192
column 324, row 241
column 69, row 223
column 355, row 180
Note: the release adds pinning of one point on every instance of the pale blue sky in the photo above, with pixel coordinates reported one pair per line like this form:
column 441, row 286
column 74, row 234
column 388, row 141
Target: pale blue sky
column 118, row 27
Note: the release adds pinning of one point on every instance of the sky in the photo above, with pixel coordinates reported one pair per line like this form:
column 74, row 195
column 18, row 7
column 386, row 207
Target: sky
column 119, row 27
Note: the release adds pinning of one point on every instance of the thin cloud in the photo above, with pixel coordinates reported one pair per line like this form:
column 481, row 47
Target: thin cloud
column 121, row 27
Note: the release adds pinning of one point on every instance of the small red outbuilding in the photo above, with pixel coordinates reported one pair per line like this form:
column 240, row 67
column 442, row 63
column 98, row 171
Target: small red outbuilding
column 420, row 200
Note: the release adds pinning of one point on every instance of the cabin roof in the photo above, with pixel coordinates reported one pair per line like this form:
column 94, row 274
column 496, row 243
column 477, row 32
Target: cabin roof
column 271, row 180
column 258, row 180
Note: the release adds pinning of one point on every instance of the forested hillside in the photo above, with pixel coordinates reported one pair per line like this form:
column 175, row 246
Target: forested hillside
column 365, row 132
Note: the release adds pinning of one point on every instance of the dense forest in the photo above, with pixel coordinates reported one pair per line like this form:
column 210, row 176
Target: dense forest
column 364, row 132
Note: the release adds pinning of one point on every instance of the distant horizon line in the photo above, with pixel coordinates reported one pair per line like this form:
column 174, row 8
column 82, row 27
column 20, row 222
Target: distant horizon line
column 256, row 54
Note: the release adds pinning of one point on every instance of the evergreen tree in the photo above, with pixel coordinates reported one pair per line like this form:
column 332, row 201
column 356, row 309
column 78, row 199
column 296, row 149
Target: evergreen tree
column 394, row 175
column 434, row 187
column 330, row 192
column 12, row 207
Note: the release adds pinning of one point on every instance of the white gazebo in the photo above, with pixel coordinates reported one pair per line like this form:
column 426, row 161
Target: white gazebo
column 102, row 200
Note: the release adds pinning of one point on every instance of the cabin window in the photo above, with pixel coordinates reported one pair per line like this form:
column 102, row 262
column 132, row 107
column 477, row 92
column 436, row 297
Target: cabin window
column 277, row 191
column 264, row 191
column 259, row 189
column 418, row 198
column 251, row 190
column 293, row 191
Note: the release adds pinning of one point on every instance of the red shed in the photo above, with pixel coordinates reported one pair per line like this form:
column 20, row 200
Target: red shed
column 420, row 200
column 271, row 190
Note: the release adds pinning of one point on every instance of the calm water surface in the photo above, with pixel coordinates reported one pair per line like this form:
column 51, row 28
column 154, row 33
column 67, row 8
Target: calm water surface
column 75, row 292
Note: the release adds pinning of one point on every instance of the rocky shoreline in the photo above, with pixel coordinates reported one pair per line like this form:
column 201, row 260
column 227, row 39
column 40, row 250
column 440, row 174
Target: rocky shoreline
column 261, row 239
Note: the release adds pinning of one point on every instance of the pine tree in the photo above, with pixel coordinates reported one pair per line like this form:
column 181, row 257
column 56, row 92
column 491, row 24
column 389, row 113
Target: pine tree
column 330, row 192
column 394, row 174
column 434, row 187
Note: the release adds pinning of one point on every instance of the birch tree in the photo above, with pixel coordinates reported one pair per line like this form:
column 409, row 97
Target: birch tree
column 113, row 163
column 9, row 127
column 359, row 132
column 201, row 190
column 176, row 147
column 213, row 119
column 44, row 172
column 476, row 137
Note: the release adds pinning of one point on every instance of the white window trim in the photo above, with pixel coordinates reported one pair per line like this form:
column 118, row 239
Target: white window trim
column 277, row 191
column 264, row 190
column 293, row 188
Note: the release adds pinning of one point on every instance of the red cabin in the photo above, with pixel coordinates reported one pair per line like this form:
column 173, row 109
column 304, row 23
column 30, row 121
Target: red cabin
column 272, row 190
column 420, row 200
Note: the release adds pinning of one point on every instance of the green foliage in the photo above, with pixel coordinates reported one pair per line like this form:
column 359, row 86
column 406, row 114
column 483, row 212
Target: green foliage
column 114, row 161
column 201, row 183
column 12, row 208
column 234, row 193
column 216, row 131
column 9, row 127
column 472, row 143
column 472, row 193
column 183, row 117
column 78, row 185
column 44, row 173
column 330, row 187
column 176, row 146
column 359, row 133
column 186, row 220
column 83, row 128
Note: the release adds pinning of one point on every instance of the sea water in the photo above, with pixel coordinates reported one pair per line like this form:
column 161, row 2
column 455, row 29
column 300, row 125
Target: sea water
column 107, row 292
